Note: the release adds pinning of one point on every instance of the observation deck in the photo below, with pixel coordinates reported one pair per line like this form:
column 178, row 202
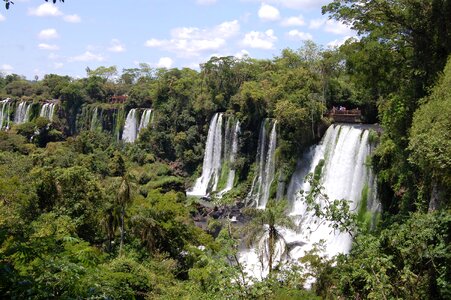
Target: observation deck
column 342, row 115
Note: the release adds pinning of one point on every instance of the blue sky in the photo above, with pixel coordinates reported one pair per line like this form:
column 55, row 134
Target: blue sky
column 40, row 38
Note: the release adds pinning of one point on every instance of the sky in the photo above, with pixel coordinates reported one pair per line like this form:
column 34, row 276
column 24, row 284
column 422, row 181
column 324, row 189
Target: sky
column 38, row 38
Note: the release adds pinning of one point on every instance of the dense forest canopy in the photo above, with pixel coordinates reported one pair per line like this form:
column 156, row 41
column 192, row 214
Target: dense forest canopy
column 84, row 214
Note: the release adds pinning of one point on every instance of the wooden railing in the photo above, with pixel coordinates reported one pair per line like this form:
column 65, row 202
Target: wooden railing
column 345, row 116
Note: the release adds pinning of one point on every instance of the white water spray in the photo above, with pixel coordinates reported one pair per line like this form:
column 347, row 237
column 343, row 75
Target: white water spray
column 130, row 127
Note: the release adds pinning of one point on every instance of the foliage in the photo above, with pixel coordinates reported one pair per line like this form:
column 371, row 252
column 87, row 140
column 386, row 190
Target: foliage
column 430, row 140
column 264, row 230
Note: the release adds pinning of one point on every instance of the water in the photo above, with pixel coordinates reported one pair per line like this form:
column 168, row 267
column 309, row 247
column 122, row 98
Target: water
column 233, row 132
column 344, row 149
column 47, row 111
column 221, row 148
column 145, row 119
column 261, row 185
column 130, row 128
column 5, row 106
column 22, row 114
column 96, row 123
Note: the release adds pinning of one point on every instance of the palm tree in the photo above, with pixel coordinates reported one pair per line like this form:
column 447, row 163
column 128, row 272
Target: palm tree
column 265, row 228
column 123, row 199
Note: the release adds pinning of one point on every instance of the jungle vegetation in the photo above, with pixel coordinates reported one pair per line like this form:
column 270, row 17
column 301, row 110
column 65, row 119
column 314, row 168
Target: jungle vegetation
column 85, row 215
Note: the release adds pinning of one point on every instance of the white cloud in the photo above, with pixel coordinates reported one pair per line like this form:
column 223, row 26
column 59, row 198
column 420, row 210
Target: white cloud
column 300, row 4
column 2, row 18
column 48, row 34
column 45, row 10
column 205, row 2
column 293, row 21
column 260, row 40
column 44, row 46
column 116, row 46
column 331, row 26
column 192, row 41
column 58, row 65
column 316, row 23
column 241, row 54
column 154, row 43
column 335, row 27
column 72, row 18
column 165, row 62
column 296, row 34
column 338, row 42
column 53, row 56
column 268, row 13
column 87, row 56
column 5, row 68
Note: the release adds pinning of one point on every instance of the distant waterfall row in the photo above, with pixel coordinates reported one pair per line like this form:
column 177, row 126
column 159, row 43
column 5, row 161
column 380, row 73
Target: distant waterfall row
column 125, row 127
column 218, row 170
column 93, row 118
column 22, row 113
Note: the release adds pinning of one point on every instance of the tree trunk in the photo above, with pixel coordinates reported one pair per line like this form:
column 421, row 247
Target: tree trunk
column 271, row 241
column 122, row 230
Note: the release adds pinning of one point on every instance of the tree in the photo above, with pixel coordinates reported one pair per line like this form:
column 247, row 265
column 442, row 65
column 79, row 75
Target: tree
column 264, row 229
column 104, row 72
column 123, row 199
column 430, row 138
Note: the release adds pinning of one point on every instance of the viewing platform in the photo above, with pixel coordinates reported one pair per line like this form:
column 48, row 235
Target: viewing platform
column 118, row 99
column 342, row 115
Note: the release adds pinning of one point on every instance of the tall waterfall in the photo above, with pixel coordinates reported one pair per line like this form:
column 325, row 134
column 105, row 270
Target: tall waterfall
column 130, row 128
column 22, row 114
column 47, row 111
column 232, row 133
column 145, row 119
column 220, row 154
column 342, row 151
column 5, row 106
column 261, row 185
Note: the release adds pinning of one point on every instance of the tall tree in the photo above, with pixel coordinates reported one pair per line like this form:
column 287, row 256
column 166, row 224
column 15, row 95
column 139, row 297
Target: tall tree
column 264, row 229
column 123, row 199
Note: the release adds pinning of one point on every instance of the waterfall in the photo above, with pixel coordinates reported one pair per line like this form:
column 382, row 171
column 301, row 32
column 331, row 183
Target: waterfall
column 145, row 119
column 232, row 131
column 130, row 127
column 22, row 114
column 4, row 114
column 261, row 185
column 96, row 123
column 220, row 154
column 47, row 111
column 342, row 151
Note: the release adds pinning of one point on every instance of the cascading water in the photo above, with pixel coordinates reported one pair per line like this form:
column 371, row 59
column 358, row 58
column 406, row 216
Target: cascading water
column 230, row 154
column 47, row 111
column 96, row 123
column 22, row 114
column 220, row 153
column 342, row 151
column 4, row 114
column 261, row 185
column 145, row 119
column 130, row 127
